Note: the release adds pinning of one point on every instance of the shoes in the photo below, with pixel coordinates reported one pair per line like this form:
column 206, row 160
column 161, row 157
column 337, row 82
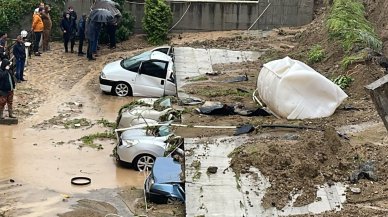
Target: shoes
column 24, row 79
column 91, row 59
column 112, row 47
column 81, row 54
column 66, row 51
column 71, row 51
column 37, row 54
column 19, row 81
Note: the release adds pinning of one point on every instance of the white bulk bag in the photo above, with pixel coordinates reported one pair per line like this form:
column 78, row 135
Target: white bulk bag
column 293, row 90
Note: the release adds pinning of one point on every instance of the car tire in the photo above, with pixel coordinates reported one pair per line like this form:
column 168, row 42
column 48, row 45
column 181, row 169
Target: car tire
column 173, row 201
column 122, row 89
column 143, row 162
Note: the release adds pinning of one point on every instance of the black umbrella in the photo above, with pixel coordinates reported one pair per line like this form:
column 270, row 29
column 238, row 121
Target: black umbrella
column 108, row 5
column 101, row 15
column 109, row 1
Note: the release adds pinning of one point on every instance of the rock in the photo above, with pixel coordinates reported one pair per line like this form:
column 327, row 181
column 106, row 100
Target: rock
column 355, row 190
column 212, row 170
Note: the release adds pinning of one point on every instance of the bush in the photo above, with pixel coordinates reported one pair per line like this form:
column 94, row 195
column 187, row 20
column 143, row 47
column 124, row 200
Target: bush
column 125, row 28
column 348, row 24
column 12, row 11
column 316, row 54
column 157, row 18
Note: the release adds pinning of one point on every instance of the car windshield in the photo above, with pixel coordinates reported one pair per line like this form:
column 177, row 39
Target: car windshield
column 134, row 62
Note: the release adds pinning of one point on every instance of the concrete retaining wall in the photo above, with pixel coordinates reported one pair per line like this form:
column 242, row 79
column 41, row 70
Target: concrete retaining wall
column 208, row 15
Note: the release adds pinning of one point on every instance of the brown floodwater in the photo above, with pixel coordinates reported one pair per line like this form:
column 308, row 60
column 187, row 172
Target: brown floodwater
column 34, row 156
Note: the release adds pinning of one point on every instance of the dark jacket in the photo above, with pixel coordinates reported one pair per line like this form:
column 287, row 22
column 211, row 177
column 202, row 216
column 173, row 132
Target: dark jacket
column 81, row 27
column 68, row 25
column 92, row 29
column 5, row 76
column 19, row 51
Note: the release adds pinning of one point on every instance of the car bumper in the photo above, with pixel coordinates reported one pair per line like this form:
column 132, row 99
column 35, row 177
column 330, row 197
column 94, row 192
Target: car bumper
column 125, row 154
column 106, row 88
column 106, row 85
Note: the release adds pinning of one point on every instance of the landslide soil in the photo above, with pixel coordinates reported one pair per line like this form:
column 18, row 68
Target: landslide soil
column 307, row 158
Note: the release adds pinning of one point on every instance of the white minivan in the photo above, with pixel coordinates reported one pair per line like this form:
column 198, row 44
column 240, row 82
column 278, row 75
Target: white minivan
column 150, row 74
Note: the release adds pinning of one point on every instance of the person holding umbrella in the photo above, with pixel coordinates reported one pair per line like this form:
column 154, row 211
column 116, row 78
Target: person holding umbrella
column 107, row 12
column 96, row 18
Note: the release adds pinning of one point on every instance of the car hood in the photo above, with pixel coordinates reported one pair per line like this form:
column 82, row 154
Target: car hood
column 113, row 67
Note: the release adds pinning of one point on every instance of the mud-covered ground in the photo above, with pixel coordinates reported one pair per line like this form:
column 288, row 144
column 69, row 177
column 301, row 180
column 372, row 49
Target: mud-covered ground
column 300, row 160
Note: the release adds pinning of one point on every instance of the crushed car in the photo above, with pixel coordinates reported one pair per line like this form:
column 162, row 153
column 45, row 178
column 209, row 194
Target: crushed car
column 140, row 147
column 164, row 185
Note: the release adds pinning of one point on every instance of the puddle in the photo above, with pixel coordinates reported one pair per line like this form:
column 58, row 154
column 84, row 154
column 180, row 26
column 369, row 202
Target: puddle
column 34, row 156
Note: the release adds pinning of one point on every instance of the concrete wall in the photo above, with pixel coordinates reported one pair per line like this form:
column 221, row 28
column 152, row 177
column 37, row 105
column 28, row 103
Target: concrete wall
column 208, row 15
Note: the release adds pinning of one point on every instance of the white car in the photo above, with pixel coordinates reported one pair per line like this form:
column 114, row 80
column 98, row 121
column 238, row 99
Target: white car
column 149, row 74
column 140, row 150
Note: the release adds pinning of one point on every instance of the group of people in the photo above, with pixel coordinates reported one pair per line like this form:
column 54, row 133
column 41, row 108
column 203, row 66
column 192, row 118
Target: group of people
column 85, row 29
column 41, row 26
column 41, row 29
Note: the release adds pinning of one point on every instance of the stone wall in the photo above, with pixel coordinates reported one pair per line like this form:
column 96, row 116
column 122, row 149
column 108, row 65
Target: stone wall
column 208, row 15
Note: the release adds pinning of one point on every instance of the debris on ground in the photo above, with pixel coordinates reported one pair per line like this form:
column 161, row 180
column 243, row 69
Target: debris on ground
column 246, row 128
column 365, row 171
column 237, row 79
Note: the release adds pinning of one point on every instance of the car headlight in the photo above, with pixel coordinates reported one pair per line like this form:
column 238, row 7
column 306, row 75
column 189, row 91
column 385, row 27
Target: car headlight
column 129, row 143
column 103, row 75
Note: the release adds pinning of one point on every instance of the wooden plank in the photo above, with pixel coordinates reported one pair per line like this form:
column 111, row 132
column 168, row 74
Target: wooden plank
column 9, row 121
column 378, row 91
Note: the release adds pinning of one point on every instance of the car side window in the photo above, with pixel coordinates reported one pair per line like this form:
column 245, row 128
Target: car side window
column 154, row 68
column 134, row 67
column 163, row 50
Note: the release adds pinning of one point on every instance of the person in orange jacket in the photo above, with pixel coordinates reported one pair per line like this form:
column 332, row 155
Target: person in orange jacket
column 37, row 28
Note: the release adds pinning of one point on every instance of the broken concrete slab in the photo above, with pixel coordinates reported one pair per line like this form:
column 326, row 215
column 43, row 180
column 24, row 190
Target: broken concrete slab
column 193, row 62
column 228, row 194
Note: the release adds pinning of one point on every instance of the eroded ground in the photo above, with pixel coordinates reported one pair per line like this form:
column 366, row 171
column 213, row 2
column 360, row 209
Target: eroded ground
column 61, row 103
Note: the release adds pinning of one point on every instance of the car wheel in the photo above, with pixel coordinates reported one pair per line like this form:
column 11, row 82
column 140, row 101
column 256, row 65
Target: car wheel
column 144, row 162
column 122, row 89
column 173, row 201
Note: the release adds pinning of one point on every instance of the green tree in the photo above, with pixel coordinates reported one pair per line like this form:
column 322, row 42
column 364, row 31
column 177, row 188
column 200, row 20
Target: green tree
column 157, row 19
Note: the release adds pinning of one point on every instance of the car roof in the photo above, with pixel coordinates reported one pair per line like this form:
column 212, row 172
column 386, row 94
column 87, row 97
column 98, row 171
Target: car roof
column 166, row 170
column 157, row 55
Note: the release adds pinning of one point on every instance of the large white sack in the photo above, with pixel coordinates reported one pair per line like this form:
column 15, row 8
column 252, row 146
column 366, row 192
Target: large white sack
column 293, row 90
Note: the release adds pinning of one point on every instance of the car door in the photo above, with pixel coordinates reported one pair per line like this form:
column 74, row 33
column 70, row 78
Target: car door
column 151, row 78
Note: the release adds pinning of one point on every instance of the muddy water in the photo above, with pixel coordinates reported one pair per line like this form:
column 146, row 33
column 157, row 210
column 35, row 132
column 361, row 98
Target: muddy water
column 34, row 156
